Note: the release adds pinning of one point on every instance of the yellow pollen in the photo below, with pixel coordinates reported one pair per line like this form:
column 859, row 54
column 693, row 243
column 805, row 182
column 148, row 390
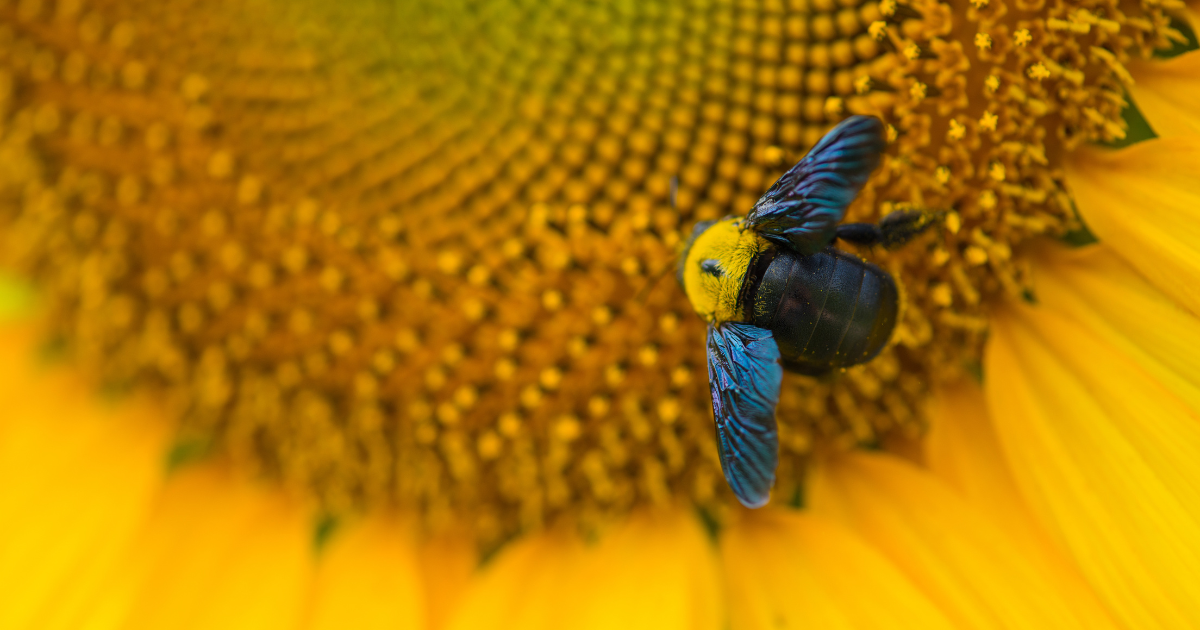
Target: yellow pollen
column 1038, row 71
column 862, row 84
column 942, row 174
column 988, row 121
column 443, row 282
column 878, row 30
column 956, row 131
column 917, row 91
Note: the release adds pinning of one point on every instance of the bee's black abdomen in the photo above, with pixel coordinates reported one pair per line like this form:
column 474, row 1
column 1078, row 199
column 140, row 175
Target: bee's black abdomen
column 874, row 317
column 791, row 298
column 826, row 311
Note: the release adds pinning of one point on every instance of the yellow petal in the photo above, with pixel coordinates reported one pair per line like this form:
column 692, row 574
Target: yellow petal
column 1105, row 454
column 1144, row 201
column 447, row 563
column 78, row 478
column 217, row 552
column 522, row 586
column 1099, row 291
column 975, row 571
column 1167, row 92
column 368, row 578
column 962, row 449
column 791, row 570
column 655, row 571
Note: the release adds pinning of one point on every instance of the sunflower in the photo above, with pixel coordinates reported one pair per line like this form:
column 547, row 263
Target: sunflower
column 352, row 315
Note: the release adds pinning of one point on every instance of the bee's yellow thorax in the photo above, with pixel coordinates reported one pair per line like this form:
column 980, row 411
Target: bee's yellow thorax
column 733, row 248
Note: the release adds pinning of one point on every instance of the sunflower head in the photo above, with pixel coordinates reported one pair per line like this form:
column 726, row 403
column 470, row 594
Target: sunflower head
column 387, row 253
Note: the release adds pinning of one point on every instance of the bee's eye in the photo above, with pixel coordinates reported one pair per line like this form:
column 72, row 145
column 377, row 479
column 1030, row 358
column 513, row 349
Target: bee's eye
column 711, row 266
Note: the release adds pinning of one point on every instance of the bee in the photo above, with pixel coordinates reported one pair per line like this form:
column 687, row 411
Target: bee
column 777, row 295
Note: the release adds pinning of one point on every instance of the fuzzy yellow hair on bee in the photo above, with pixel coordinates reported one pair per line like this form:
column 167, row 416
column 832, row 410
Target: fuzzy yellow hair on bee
column 715, row 266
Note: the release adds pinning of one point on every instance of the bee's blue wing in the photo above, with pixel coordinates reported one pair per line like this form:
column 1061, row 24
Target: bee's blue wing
column 744, row 375
column 803, row 208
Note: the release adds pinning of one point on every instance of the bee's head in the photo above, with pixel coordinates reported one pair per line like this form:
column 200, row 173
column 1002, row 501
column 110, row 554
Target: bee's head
column 713, row 264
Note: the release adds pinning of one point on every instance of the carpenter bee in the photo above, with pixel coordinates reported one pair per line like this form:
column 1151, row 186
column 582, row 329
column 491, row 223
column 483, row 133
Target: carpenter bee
column 777, row 295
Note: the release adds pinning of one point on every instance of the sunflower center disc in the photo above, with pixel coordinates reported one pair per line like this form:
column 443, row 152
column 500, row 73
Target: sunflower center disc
column 411, row 255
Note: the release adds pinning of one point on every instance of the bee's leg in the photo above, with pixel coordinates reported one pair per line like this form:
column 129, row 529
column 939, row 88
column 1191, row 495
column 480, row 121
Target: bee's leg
column 893, row 231
column 867, row 234
column 902, row 226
